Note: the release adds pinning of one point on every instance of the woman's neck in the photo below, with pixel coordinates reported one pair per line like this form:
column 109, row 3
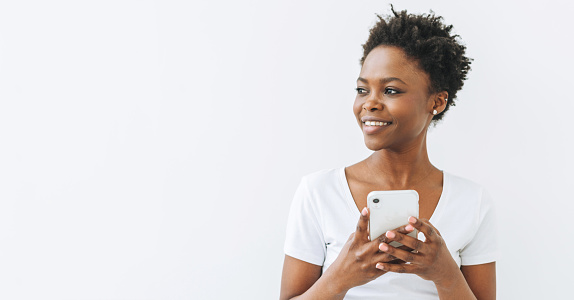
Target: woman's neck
column 400, row 169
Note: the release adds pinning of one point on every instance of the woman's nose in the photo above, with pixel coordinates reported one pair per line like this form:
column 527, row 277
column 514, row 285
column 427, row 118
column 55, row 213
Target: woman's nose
column 372, row 103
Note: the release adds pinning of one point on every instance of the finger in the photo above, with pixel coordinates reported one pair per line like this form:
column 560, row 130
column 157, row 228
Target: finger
column 406, row 248
column 400, row 254
column 430, row 232
column 396, row 261
column 383, row 257
column 405, row 229
column 405, row 240
column 362, row 226
column 397, row 268
column 383, row 239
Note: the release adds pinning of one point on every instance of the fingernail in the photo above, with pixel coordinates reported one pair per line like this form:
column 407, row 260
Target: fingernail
column 412, row 219
column 364, row 212
column 409, row 227
column 380, row 266
column 383, row 247
column 390, row 234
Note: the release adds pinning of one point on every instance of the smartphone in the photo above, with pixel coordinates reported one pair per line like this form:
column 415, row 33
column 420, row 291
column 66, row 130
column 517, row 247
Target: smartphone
column 391, row 209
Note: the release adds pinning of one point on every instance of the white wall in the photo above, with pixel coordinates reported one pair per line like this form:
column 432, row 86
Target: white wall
column 150, row 149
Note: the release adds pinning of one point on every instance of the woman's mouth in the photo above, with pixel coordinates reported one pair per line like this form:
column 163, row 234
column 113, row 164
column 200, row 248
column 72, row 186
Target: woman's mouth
column 372, row 127
column 375, row 123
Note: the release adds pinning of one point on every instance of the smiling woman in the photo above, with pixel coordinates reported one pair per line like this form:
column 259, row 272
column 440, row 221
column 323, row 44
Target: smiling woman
column 394, row 90
column 411, row 71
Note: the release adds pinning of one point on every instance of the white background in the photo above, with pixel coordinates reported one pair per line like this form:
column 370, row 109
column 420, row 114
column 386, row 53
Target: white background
column 150, row 149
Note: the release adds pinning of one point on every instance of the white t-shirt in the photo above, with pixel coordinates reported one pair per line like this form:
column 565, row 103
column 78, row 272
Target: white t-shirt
column 323, row 215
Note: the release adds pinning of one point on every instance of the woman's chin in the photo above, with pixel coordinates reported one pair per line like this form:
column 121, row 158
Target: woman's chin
column 374, row 145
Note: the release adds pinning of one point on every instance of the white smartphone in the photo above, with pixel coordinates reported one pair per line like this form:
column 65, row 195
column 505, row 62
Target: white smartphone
column 391, row 209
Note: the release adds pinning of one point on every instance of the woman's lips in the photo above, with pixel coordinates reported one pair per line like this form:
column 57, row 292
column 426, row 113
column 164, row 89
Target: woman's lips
column 373, row 129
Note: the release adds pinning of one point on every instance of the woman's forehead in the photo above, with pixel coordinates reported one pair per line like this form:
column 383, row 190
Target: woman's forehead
column 391, row 62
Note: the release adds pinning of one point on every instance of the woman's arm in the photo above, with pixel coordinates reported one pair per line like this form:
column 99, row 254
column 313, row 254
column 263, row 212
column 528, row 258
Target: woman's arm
column 477, row 280
column 299, row 277
column 481, row 279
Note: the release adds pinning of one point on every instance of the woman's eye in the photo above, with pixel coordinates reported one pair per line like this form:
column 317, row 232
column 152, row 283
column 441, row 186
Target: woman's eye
column 390, row 91
column 361, row 91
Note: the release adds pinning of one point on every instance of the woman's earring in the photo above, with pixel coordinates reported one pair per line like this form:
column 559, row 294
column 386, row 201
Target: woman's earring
column 434, row 112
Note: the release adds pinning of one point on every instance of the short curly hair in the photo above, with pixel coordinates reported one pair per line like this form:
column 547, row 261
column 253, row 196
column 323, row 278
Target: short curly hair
column 430, row 42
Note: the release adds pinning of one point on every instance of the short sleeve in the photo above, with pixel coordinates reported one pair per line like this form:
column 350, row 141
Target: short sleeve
column 483, row 247
column 304, row 238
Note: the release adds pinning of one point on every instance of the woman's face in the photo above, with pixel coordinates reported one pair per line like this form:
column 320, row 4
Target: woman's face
column 393, row 92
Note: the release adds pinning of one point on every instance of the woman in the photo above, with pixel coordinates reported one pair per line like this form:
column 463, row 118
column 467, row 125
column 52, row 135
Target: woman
column 412, row 68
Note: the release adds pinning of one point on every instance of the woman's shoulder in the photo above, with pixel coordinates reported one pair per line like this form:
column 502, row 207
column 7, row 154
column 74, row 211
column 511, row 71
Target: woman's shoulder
column 322, row 176
column 462, row 182
column 461, row 187
column 321, row 187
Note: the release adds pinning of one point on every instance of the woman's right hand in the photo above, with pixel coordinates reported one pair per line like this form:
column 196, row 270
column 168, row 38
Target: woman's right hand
column 356, row 264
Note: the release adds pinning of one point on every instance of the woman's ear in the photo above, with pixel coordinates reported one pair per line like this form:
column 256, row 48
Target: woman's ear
column 440, row 102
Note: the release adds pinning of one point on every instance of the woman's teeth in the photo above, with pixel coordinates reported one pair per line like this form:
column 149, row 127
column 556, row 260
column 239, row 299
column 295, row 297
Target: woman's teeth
column 374, row 123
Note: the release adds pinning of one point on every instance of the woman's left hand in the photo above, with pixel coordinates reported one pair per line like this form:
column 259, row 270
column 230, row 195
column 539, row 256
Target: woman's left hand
column 431, row 260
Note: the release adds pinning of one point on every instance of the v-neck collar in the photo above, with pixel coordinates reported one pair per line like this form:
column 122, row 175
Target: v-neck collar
column 355, row 213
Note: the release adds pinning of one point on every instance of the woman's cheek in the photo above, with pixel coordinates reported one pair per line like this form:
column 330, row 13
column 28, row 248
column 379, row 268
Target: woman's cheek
column 357, row 107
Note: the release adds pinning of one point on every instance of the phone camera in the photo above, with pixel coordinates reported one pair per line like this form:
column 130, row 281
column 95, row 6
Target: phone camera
column 375, row 200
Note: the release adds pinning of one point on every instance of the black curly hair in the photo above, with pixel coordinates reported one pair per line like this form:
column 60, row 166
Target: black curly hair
column 427, row 40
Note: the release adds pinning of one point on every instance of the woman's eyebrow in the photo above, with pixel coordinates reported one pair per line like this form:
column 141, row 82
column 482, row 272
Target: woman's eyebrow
column 383, row 80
